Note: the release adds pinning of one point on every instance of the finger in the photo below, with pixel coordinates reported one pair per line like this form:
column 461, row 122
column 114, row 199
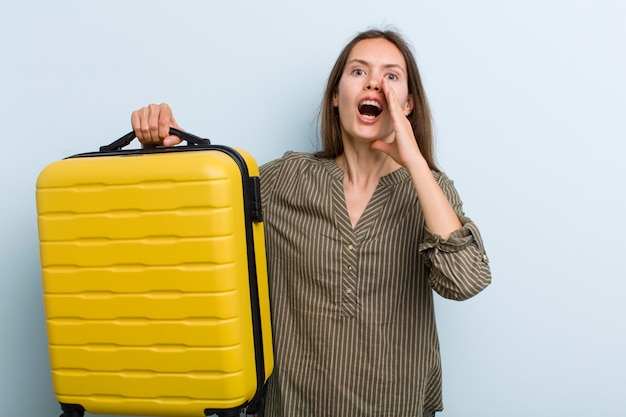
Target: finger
column 172, row 140
column 165, row 124
column 389, row 95
column 153, row 117
column 144, row 133
column 402, row 124
column 142, row 129
column 395, row 108
column 134, row 122
column 379, row 145
column 164, row 121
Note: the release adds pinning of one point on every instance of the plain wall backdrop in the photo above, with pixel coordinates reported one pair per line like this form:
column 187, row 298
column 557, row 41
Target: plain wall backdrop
column 529, row 101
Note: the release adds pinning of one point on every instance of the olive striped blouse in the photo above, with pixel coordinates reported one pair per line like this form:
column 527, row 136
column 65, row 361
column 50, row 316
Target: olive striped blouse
column 352, row 308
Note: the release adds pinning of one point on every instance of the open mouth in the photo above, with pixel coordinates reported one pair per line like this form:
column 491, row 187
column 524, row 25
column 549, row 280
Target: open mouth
column 370, row 109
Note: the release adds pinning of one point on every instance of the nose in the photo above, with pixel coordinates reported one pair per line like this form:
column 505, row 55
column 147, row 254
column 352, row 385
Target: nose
column 372, row 84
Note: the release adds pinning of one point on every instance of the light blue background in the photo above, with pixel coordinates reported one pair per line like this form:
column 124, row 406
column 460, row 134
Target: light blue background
column 529, row 100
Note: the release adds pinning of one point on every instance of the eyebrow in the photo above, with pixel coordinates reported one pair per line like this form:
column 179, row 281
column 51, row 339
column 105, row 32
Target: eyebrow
column 364, row 62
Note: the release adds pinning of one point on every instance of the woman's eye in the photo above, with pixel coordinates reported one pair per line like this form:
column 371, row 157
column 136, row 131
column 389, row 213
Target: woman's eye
column 357, row 71
column 392, row 77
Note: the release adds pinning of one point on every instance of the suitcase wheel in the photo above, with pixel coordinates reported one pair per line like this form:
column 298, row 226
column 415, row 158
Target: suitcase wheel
column 72, row 410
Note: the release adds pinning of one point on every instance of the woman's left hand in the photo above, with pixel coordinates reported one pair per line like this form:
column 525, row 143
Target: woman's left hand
column 401, row 145
column 439, row 215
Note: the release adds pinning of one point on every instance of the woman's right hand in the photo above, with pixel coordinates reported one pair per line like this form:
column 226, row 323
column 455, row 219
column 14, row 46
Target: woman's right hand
column 152, row 125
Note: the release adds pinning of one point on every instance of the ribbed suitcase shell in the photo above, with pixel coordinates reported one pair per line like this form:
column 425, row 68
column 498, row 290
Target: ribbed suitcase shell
column 149, row 306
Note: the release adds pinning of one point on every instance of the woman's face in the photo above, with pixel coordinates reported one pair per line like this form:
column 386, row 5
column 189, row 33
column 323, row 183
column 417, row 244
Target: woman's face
column 363, row 109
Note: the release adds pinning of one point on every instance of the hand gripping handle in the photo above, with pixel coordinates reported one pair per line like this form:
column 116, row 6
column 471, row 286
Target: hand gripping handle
column 192, row 140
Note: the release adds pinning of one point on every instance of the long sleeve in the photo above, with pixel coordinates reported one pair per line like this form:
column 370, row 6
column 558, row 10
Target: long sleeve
column 459, row 266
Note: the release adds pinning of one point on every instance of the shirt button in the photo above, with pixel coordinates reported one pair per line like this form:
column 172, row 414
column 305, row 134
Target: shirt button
column 349, row 268
column 351, row 247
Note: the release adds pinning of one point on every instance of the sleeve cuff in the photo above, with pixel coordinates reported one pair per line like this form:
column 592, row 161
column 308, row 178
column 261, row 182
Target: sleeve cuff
column 457, row 241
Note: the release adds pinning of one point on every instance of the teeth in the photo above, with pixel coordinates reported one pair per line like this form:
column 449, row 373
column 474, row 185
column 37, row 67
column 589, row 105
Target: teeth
column 371, row 103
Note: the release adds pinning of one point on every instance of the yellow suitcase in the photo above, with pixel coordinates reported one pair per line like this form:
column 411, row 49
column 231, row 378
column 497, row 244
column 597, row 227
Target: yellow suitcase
column 154, row 280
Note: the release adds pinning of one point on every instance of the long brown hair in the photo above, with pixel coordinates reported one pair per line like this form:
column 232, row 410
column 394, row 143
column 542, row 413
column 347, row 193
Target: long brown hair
column 420, row 117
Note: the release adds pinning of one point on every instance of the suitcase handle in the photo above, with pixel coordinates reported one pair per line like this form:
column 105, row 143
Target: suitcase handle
column 192, row 140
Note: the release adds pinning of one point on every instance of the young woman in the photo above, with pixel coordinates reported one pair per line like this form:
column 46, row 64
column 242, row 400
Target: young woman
column 358, row 235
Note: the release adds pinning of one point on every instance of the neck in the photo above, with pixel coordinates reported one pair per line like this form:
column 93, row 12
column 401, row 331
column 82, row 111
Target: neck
column 363, row 167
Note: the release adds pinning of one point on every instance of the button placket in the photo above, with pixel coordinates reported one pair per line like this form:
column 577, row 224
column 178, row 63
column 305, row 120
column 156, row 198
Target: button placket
column 349, row 283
